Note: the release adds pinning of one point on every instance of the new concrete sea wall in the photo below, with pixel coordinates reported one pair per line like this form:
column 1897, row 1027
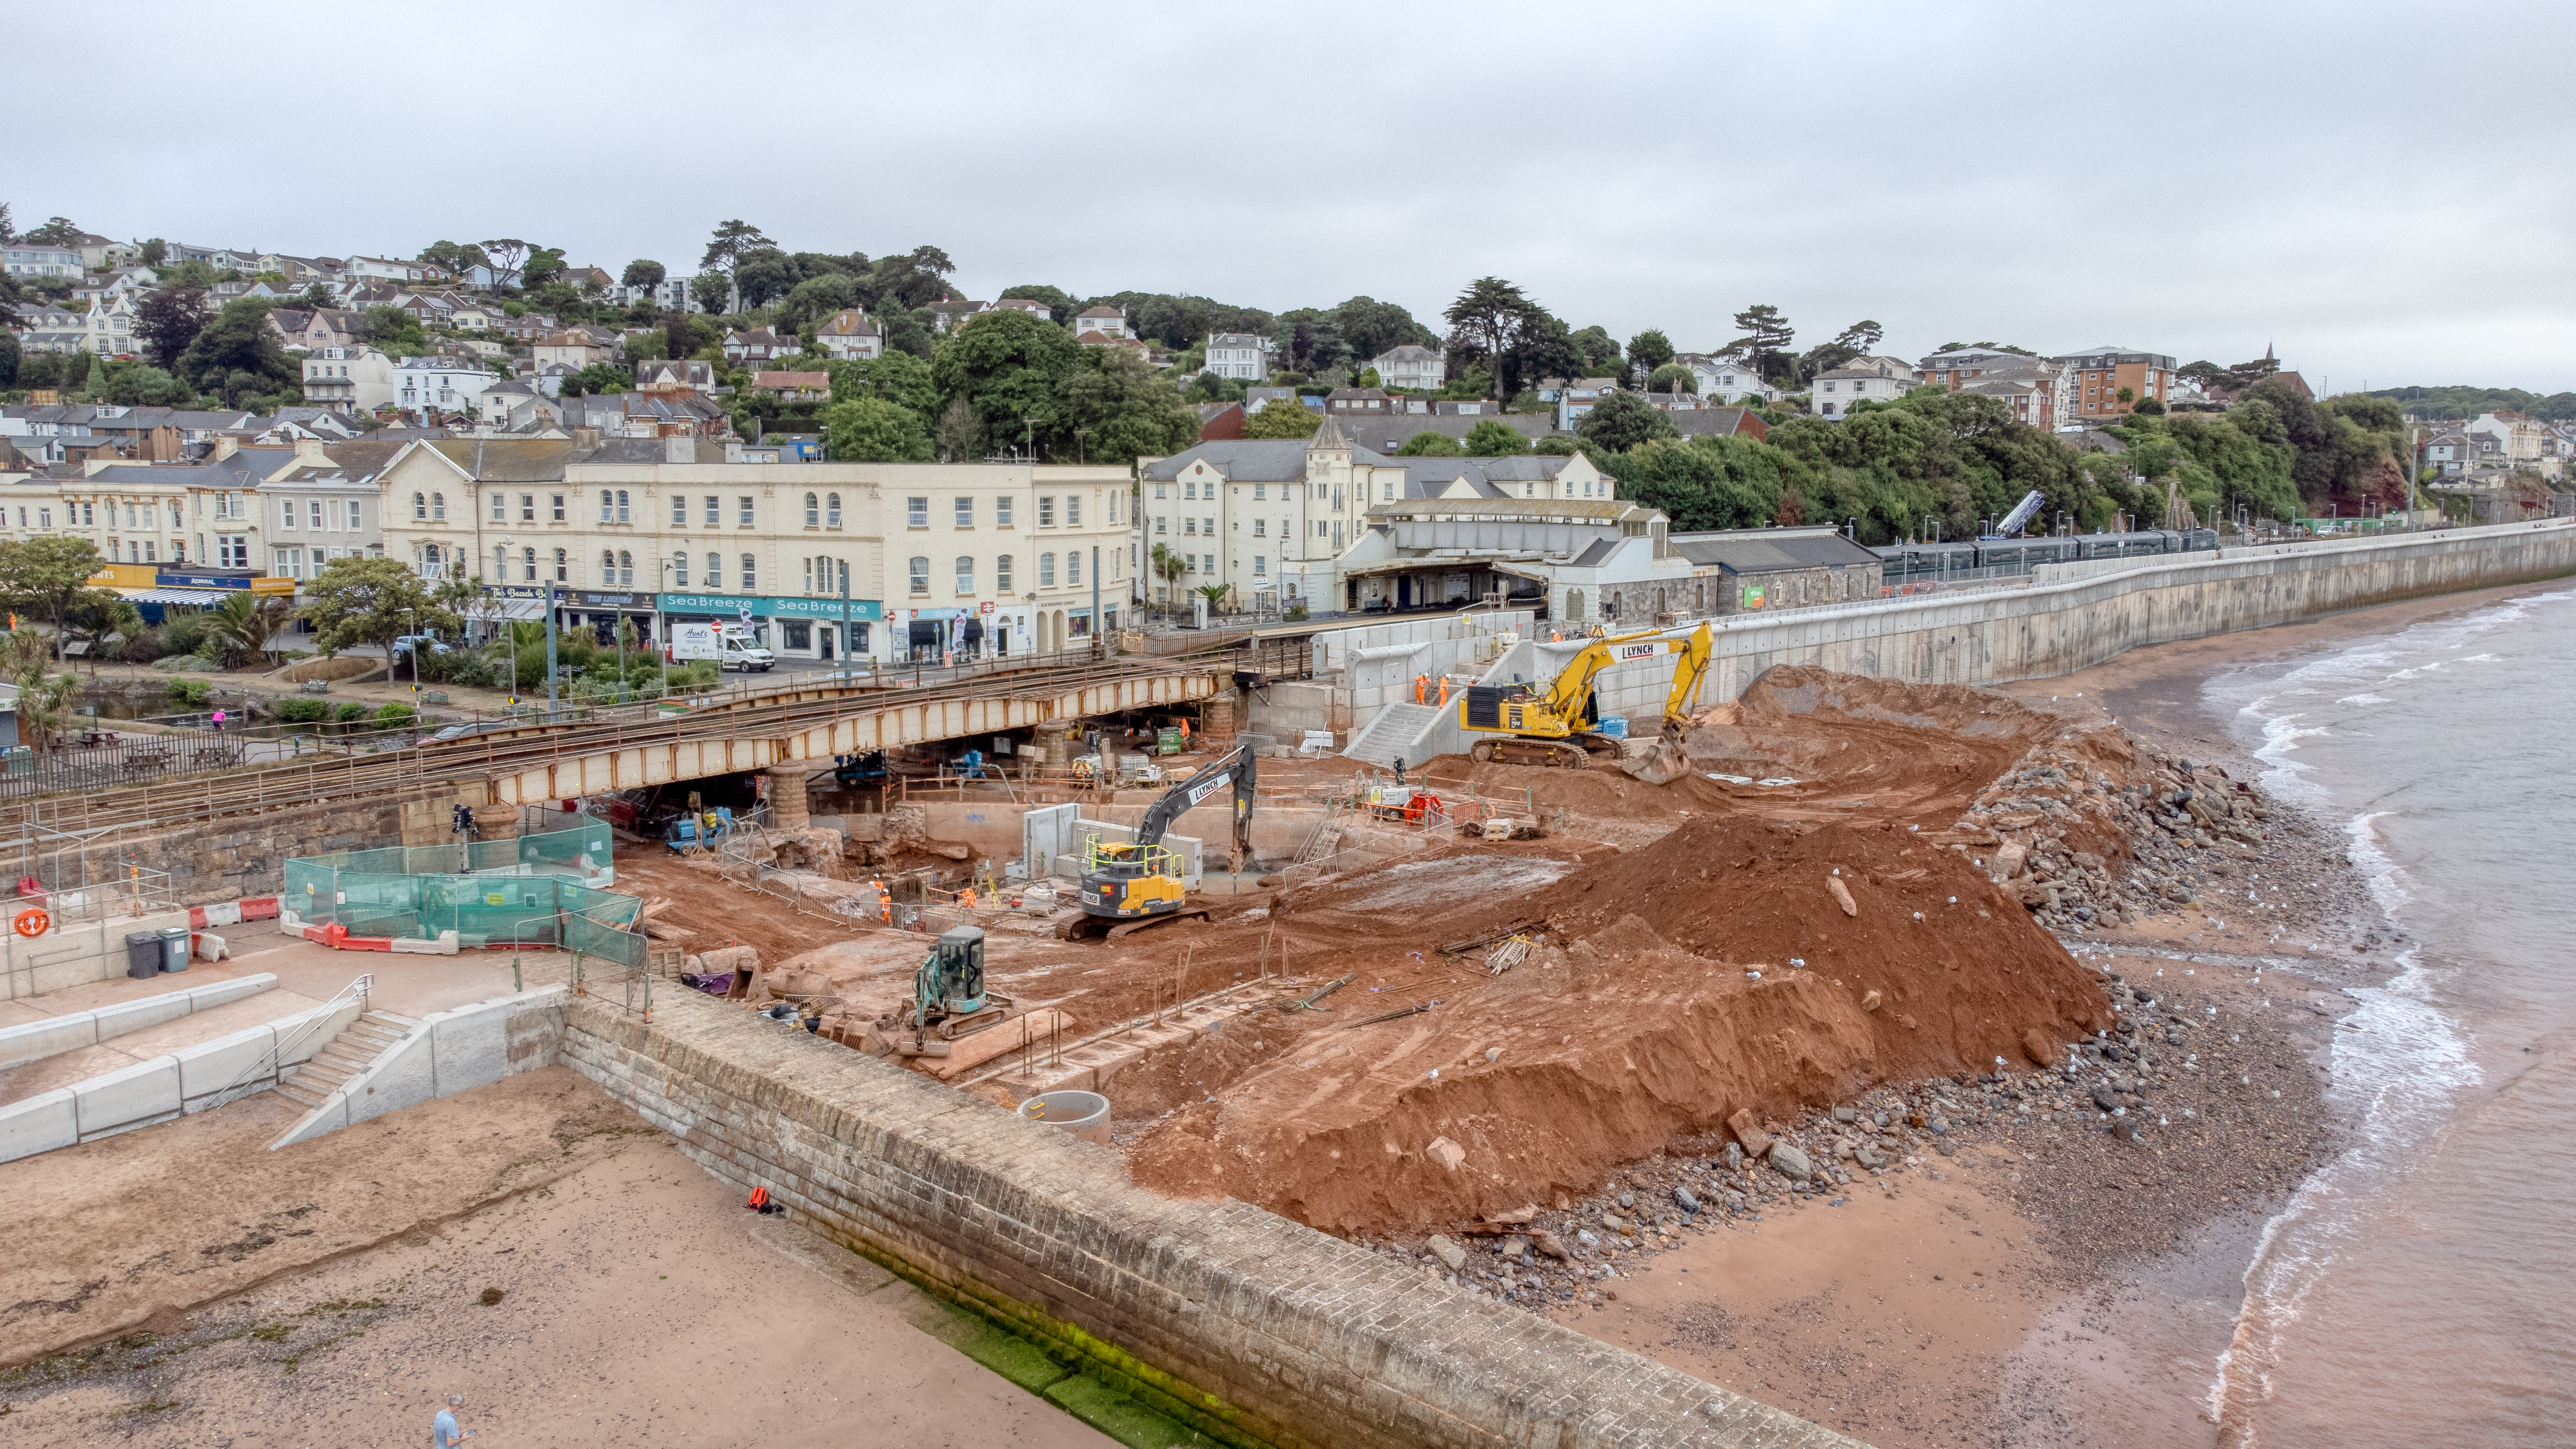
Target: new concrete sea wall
column 2057, row 627
column 1247, row 1327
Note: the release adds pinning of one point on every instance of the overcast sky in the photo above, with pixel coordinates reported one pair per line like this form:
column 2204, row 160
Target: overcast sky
column 2383, row 192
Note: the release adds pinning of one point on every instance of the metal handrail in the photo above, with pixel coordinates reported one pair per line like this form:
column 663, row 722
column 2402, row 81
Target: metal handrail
column 358, row 990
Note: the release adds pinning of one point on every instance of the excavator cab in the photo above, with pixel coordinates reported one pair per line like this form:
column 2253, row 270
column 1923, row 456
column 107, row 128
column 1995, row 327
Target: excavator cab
column 949, row 998
column 1127, row 880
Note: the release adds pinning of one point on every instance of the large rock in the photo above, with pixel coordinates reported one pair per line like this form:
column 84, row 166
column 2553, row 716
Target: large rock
column 1447, row 1252
column 1749, row 1132
column 1790, row 1163
column 1842, row 895
column 2036, row 1046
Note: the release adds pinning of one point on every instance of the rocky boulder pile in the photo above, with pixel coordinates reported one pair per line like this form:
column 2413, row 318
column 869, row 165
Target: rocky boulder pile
column 2088, row 838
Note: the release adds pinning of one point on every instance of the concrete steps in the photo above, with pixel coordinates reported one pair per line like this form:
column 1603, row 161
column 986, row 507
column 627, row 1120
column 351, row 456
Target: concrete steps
column 1391, row 733
column 312, row 1081
column 1093, row 1065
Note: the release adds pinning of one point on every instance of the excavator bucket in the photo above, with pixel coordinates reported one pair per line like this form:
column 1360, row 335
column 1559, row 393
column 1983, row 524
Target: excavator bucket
column 1663, row 762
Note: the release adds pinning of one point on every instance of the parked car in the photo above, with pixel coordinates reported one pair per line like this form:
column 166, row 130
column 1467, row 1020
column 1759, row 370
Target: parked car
column 404, row 643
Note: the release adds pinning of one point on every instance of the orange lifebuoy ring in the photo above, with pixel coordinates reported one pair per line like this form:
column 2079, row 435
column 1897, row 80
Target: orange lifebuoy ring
column 32, row 923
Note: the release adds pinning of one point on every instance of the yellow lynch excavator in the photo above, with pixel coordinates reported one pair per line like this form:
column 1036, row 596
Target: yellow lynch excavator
column 1557, row 723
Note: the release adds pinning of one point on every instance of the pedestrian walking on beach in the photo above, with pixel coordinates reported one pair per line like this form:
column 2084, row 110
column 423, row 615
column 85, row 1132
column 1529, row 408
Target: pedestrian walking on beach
column 443, row 1433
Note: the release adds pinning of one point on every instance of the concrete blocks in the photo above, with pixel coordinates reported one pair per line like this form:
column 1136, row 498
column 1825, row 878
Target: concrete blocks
column 211, row 1066
column 55, row 1034
column 120, row 1101
column 35, row 1040
column 38, row 1124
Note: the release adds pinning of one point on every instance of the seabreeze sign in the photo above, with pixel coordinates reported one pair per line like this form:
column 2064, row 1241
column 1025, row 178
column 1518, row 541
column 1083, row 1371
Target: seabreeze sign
column 770, row 606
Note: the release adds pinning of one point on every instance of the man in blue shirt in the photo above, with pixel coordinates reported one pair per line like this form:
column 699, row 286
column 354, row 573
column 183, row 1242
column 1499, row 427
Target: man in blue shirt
column 442, row 1430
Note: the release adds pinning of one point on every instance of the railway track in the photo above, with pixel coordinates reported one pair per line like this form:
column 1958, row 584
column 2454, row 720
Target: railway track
column 539, row 745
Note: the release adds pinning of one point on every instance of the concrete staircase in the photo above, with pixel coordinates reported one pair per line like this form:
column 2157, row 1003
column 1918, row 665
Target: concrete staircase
column 351, row 1052
column 1092, row 1063
column 1391, row 734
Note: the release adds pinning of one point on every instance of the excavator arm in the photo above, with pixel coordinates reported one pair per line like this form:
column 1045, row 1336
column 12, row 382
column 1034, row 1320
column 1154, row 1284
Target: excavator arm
column 1236, row 768
column 1573, row 684
column 1688, row 671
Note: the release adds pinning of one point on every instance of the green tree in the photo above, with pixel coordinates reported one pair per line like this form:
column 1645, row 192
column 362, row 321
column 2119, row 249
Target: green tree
column 1647, row 351
column 1166, row 566
column 818, row 299
column 44, row 702
column 732, row 240
column 872, row 429
column 1622, row 420
column 1493, row 438
column 137, row 384
column 1673, row 377
column 458, row 258
column 1853, row 341
column 1283, row 417
column 9, row 358
column 1121, row 411
column 599, row 378
column 897, row 377
column 1430, row 444
column 1487, row 320
column 643, row 273
column 544, row 265
column 393, row 331
column 1060, row 303
column 370, row 601
column 911, row 280
column 153, row 253
column 1765, row 341
column 1011, row 368
column 59, row 231
column 244, row 626
column 46, row 577
column 1556, row 445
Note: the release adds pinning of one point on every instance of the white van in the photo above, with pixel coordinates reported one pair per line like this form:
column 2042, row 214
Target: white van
column 738, row 651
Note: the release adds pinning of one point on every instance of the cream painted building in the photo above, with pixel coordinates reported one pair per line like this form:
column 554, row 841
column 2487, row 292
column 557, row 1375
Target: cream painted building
column 1271, row 519
column 932, row 558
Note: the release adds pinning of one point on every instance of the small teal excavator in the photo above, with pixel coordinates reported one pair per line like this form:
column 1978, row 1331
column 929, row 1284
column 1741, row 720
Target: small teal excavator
column 949, row 997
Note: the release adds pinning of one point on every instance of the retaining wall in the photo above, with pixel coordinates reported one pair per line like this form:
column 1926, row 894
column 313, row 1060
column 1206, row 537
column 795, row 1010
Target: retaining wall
column 1249, row 1327
column 74, row 953
column 469, row 1046
column 2056, row 628
column 158, row 1090
column 72, row 1030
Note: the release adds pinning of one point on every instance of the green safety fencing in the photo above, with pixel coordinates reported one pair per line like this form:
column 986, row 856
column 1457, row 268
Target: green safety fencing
column 518, row 892
column 578, row 851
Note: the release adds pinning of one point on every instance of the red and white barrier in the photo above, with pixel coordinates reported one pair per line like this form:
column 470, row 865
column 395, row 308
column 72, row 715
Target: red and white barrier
column 233, row 913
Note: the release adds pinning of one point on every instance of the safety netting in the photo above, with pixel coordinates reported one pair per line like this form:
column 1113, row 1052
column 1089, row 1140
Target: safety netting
column 527, row 892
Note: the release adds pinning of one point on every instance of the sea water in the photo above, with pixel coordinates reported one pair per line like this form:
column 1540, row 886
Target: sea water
column 2421, row 1289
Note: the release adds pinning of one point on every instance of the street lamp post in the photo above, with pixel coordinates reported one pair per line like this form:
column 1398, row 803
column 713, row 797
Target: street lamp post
column 550, row 648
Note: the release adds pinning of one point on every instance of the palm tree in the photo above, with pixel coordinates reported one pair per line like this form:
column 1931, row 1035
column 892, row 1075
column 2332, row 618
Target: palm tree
column 1168, row 566
column 242, row 626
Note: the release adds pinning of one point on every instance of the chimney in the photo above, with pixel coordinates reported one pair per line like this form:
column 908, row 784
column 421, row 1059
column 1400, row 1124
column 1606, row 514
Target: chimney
column 226, row 445
column 679, row 449
column 309, row 451
column 586, row 439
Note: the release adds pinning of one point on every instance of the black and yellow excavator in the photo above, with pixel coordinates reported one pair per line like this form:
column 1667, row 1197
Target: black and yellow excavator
column 1555, row 723
column 1128, row 885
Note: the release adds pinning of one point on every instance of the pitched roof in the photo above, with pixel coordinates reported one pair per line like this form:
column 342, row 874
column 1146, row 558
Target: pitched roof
column 850, row 322
column 1772, row 550
column 1102, row 311
column 1246, row 460
column 775, row 380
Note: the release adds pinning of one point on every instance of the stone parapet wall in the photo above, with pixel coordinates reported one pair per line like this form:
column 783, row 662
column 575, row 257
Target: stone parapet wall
column 1247, row 1326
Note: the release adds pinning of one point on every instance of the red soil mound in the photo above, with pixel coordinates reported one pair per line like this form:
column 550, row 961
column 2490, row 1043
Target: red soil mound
column 1644, row 1027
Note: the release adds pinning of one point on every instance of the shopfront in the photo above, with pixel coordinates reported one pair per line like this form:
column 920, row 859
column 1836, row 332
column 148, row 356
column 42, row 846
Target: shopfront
column 791, row 626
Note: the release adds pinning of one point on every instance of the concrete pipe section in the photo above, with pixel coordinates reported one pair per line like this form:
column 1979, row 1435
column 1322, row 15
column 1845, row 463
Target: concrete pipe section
column 1084, row 1114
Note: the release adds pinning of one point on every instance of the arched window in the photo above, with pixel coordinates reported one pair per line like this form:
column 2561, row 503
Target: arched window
column 438, row 507
column 563, row 566
column 420, row 506
column 715, row 571
column 607, row 506
column 917, row 571
column 1046, row 570
column 965, row 573
column 625, row 569
column 831, row 510
column 813, row 511
column 530, row 563
column 750, row 583
column 679, row 571
column 1002, row 574
column 1073, row 570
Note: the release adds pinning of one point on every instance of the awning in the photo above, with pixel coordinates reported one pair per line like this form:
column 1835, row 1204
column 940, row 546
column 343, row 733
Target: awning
column 176, row 596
